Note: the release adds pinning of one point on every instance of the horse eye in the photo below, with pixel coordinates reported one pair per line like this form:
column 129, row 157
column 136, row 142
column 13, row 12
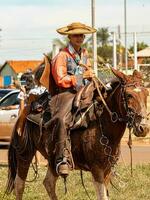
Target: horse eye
column 128, row 96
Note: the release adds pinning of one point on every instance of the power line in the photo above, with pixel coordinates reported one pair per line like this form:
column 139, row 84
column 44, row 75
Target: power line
column 24, row 39
column 137, row 32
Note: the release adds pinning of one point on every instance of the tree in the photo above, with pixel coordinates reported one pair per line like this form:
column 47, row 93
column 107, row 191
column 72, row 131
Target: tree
column 140, row 46
column 103, row 36
column 105, row 52
column 104, row 49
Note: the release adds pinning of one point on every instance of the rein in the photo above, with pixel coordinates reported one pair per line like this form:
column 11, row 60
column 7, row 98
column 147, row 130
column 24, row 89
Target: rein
column 129, row 119
column 113, row 115
column 130, row 147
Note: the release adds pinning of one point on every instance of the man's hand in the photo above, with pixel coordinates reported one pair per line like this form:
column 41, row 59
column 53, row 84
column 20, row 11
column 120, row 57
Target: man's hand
column 88, row 74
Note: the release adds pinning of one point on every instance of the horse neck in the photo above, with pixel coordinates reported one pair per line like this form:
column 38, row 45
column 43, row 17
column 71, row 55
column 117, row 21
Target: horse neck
column 116, row 104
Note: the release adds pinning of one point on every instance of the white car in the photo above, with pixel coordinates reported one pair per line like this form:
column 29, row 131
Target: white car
column 9, row 107
column 3, row 92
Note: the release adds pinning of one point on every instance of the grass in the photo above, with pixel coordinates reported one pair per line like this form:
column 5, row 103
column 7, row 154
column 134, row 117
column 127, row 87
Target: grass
column 136, row 188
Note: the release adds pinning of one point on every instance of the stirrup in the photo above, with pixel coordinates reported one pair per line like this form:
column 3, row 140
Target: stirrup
column 63, row 162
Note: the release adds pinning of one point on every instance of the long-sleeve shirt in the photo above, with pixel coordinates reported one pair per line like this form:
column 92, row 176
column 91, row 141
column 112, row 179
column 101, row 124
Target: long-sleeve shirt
column 66, row 71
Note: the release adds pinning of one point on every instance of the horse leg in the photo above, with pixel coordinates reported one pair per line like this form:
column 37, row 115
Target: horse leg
column 50, row 183
column 98, row 180
column 107, row 181
column 50, row 178
column 19, row 183
column 19, row 187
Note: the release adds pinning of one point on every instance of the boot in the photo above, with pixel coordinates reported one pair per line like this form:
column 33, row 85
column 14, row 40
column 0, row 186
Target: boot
column 62, row 168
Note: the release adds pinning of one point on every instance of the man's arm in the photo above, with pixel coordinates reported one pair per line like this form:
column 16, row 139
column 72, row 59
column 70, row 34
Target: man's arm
column 59, row 72
column 62, row 79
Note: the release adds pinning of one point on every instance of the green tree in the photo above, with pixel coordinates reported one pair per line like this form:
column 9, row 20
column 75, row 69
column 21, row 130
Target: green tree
column 140, row 46
column 103, row 36
column 104, row 49
column 105, row 52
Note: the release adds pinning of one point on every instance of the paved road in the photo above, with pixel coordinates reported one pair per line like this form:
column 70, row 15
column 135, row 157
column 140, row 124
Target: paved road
column 141, row 154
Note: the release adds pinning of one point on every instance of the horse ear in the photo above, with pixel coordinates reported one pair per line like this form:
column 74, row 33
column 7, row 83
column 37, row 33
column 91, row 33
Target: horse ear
column 119, row 74
column 137, row 75
column 44, row 80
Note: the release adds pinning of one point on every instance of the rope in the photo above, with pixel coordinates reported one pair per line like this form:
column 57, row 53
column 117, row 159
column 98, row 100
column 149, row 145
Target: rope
column 65, row 184
column 114, row 186
column 124, row 163
column 130, row 147
column 102, row 98
column 101, row 82
column 35, row 169
column 88, row 68
column 71, row 157
column 82, row 181
column 114, row 115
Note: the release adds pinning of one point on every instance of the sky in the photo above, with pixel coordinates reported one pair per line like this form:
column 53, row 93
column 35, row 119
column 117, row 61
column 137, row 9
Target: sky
column 29, row 26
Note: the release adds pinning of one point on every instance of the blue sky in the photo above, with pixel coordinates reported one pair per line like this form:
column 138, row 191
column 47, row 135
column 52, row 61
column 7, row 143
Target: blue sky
column 29, row 26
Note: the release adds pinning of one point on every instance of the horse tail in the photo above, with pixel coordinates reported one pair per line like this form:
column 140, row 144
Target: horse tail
column 20, row 147
column 12, row 164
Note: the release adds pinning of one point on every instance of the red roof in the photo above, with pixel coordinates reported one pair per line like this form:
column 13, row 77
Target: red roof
column 23, row 65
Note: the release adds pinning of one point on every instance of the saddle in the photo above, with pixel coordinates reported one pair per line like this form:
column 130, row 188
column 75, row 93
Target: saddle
column 84, row 97
column 39, row 109
column 81, row 108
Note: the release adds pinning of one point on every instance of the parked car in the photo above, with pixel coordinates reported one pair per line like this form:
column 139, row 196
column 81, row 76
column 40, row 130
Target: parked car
column 9, row 107
column 3, row 92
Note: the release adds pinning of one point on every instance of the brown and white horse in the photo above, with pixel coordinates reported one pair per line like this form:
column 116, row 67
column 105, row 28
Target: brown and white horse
column 95, row 149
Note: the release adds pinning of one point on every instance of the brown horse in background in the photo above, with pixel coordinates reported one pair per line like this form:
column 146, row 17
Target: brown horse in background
column 95, row 149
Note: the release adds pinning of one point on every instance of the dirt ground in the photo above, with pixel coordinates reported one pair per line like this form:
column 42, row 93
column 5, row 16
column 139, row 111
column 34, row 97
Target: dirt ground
column 141, row 154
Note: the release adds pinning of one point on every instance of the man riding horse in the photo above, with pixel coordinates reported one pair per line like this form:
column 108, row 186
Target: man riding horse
column 95, row 149
column 69, row 75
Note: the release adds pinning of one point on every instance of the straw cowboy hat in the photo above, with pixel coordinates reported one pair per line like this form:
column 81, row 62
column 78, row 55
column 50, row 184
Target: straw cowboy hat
column 76, row 28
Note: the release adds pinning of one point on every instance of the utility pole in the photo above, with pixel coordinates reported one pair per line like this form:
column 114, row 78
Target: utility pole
column 114, row 51
column 135, row 51
column 120, row 47
column 94, row 36
column 125, row 30
column 0, row 36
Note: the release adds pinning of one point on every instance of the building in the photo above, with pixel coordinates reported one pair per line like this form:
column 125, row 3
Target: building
column 143, row 55
column 14, row 69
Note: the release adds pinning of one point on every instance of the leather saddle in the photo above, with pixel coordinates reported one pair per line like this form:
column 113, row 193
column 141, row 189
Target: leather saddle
column 39, row 109
column 81, row 108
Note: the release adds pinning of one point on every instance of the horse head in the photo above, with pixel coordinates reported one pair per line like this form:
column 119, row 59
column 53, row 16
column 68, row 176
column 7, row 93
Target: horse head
column 134, row 98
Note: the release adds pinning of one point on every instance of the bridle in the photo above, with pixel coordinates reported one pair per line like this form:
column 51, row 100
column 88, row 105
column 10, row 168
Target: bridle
column 129, row 119
column 131, row 114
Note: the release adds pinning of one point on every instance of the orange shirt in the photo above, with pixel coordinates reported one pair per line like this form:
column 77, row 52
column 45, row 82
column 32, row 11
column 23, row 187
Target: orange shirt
column 60, row 68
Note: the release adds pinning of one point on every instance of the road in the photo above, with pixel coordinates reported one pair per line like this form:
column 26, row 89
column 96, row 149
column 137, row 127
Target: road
column 141, row 154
